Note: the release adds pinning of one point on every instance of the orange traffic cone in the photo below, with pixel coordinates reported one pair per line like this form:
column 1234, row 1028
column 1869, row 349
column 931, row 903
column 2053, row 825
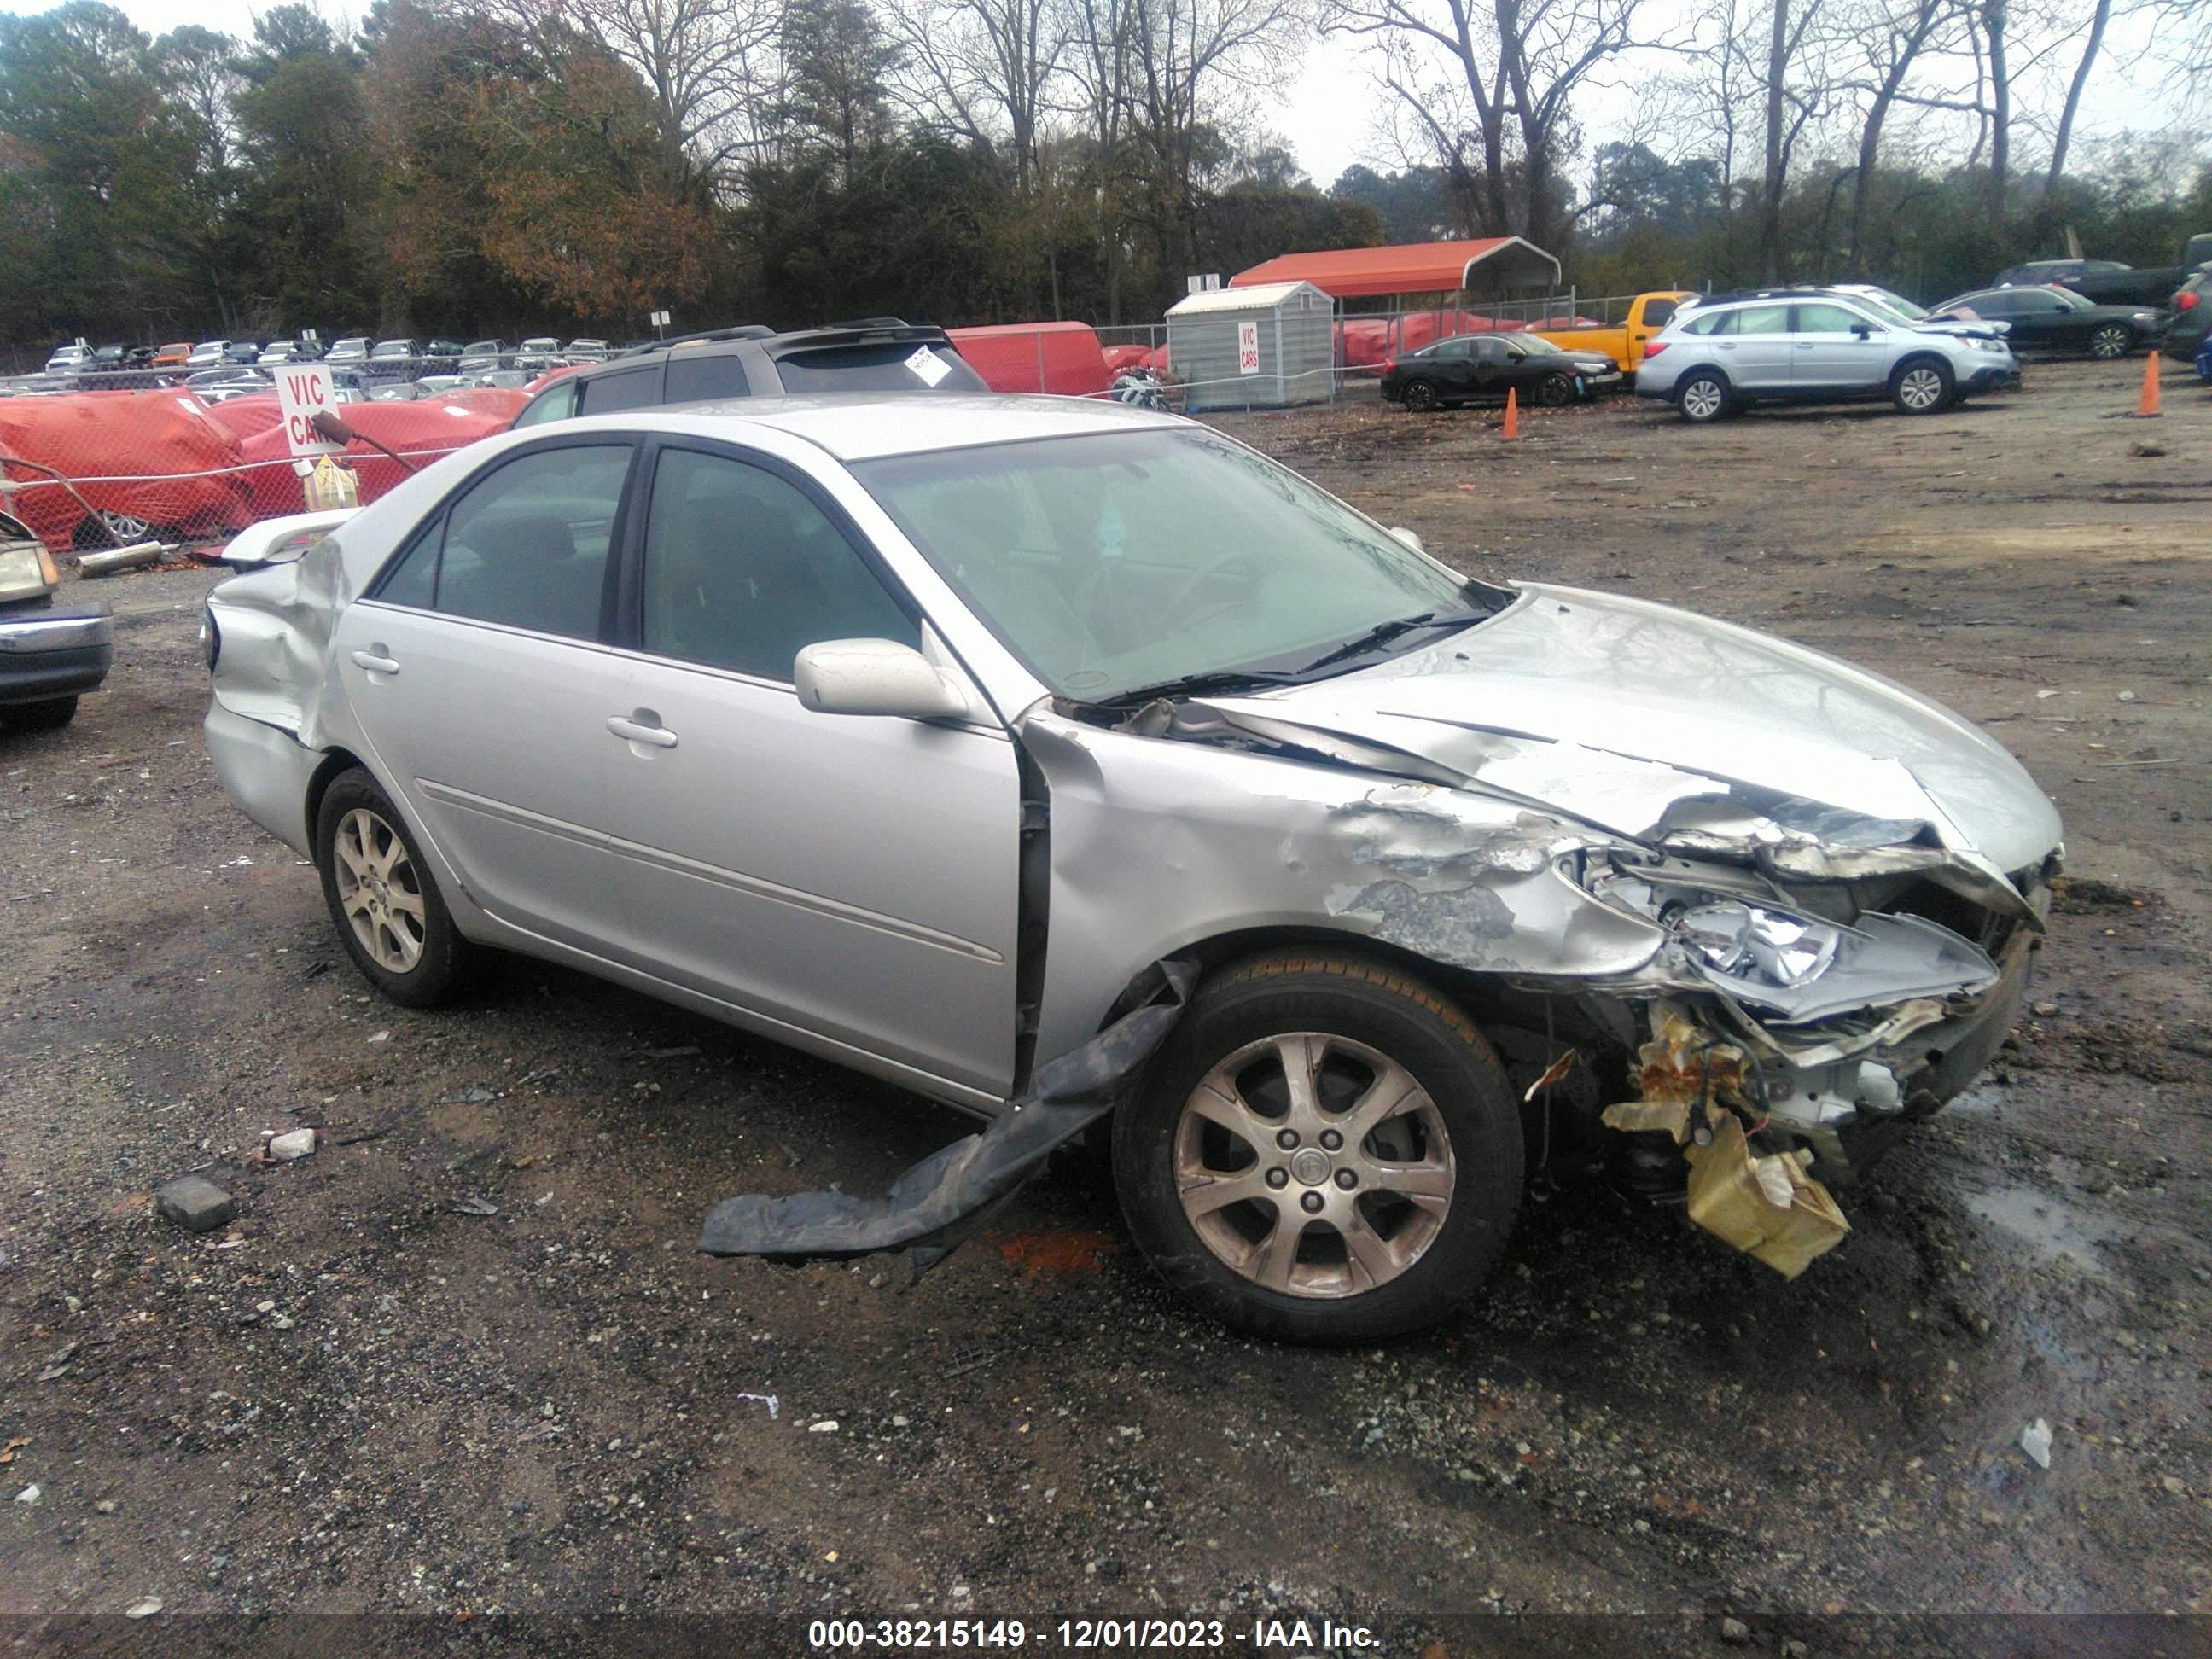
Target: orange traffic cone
column 1513, row 414
column 2146, row 406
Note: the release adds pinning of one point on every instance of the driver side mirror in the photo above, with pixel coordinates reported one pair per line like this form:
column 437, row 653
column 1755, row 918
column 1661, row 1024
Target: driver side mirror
column 874, row 676
column 1863, row 330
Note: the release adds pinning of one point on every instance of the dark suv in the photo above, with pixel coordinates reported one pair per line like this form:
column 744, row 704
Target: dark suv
column 877, row 354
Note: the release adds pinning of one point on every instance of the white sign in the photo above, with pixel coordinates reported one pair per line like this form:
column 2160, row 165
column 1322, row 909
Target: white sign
column 1206, row 284
column 928, row 368
column 303, row 391
column 660, row 320
column 1248, row 348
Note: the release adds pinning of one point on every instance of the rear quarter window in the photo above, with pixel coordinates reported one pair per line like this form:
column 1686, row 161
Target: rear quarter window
column 695, row 378
column 874, row 367
column 630, row 388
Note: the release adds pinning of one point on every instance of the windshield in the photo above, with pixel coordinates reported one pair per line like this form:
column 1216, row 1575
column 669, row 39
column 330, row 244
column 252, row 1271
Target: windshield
column 1115, row 562
column 2072, row 300
column 1535, row 345
column 394, row 349
column 1897, row 303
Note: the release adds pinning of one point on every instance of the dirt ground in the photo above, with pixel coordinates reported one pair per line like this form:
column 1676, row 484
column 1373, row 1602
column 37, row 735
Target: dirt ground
column 368, row 1395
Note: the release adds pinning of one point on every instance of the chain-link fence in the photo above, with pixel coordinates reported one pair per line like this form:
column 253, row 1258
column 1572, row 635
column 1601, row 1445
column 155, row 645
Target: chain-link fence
column 89, row 457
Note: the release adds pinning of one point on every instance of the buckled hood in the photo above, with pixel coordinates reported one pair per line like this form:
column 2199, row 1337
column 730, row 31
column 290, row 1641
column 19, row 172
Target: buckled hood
column 1658, row 723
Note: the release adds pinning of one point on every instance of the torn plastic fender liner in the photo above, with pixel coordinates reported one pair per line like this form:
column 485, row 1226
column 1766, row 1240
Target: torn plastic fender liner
column 932, row 1207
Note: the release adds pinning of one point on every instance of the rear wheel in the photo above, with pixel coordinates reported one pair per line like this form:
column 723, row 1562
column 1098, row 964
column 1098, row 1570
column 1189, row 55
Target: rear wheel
column 2111, row 341
column 1555, row 391
column 48, row 715
column 1421, row 397
column 1921, row 386
column 382, row 898
column 1704, row 397
column 1325, row 1150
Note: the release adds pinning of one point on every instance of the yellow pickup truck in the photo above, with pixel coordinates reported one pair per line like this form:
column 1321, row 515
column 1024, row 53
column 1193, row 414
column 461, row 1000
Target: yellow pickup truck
column 1622, row 341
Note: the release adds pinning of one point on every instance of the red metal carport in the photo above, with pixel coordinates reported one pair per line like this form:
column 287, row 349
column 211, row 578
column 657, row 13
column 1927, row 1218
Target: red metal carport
column 1498, row 263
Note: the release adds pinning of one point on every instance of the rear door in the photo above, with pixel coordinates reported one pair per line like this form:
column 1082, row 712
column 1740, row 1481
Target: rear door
column 1836, row 350
column 478, row 669
column 851, row 875
column 1756, row 349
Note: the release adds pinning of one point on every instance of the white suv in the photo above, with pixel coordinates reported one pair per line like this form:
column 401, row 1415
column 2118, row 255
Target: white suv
column 1814, row 347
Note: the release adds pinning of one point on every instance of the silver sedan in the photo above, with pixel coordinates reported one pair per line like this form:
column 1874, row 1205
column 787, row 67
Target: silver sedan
column 919, row 743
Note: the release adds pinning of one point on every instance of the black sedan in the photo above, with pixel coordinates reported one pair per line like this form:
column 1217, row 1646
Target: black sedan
column 1487, row 366
column 2057, row 320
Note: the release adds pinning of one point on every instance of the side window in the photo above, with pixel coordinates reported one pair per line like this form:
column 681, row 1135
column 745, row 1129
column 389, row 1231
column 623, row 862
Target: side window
column 1827, row 319
column 1711, row 322
column 1657, row 314
column 557, row 402
column 1487, row 350
column 1763, row 320
column 634, row 388
column 528, row 545
column 741, row 569
column 695, row 377
column 412, row 578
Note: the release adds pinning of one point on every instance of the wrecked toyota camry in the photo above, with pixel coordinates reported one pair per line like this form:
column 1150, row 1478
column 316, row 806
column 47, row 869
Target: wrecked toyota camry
column 1064, row 761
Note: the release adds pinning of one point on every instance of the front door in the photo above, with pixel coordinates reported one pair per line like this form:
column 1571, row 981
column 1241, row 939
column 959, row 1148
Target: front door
column 851, row 876
column 1830, row 357
column 477, row 670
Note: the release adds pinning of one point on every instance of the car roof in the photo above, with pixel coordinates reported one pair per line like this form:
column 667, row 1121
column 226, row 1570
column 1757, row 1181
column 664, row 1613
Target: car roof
column 856, row 427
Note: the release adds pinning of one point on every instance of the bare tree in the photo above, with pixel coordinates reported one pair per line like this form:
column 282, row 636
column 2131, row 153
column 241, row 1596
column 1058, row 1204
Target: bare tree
column 1796, row 91
column 1896, row 37
column 2064, row 137
column 985, row 68
column 1515, row 66
column 710, row 64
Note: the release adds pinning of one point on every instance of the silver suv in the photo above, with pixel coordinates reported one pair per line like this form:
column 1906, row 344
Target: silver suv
column 1815, row 347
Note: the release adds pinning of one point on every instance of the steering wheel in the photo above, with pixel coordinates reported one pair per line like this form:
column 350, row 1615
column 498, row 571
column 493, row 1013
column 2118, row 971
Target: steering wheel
column 1198, row 579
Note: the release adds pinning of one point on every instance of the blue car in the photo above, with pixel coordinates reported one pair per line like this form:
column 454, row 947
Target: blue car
column 2204, row 361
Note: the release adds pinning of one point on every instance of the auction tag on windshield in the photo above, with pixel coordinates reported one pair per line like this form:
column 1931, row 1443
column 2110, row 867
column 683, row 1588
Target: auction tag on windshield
column 928, row 368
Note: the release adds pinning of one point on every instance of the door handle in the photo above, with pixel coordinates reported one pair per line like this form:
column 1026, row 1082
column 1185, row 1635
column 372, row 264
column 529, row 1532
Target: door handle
column 642, row 726
column 375, row 661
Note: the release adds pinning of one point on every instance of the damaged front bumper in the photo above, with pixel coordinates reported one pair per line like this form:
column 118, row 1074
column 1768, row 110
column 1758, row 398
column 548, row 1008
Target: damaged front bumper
column 1768, row 1116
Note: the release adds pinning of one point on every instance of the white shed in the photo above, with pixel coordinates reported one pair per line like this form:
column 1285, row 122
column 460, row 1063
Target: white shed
column 1262, row 347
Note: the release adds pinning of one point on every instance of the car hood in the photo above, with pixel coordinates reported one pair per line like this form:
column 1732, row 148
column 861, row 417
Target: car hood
column 1970, row 328
column 1665, row 725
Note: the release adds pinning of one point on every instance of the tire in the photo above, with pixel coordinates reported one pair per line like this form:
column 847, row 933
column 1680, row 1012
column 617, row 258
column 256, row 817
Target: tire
column 1421, row 398
column 1555, row 391
column 2111, row 342
column 383, row 900
column 1365, row 1261
column 1704, row 398
column 48, row 714
column 1922, row 386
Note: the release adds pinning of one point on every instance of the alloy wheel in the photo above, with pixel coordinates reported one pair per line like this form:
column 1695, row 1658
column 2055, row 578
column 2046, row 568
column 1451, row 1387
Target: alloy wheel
column 379, row 892
column 1313, row 1165
column 1920, row 389
column 2110, row 342
column 1420, row 397
column 128, row 526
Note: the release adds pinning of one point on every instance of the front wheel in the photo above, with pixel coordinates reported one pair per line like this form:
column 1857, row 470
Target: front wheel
column 1325, row 1151
column 382, row 898
column 1421, row 397
column 2113, row 340
column 1555, row 391
column 1921, row 388
column 1703, row 398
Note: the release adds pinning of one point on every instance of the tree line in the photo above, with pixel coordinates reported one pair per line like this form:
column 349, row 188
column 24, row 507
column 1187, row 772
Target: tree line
column 463, row 166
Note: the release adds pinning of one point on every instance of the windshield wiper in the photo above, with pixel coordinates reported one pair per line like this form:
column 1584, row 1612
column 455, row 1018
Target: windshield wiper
column 1197, row 685
column 1383, row 632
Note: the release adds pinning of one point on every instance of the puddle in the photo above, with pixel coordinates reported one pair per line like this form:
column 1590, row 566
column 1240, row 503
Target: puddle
column 2054, row 1229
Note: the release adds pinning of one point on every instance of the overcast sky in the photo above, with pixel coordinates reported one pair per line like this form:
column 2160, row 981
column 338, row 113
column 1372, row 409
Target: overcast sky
column 1329, row 115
